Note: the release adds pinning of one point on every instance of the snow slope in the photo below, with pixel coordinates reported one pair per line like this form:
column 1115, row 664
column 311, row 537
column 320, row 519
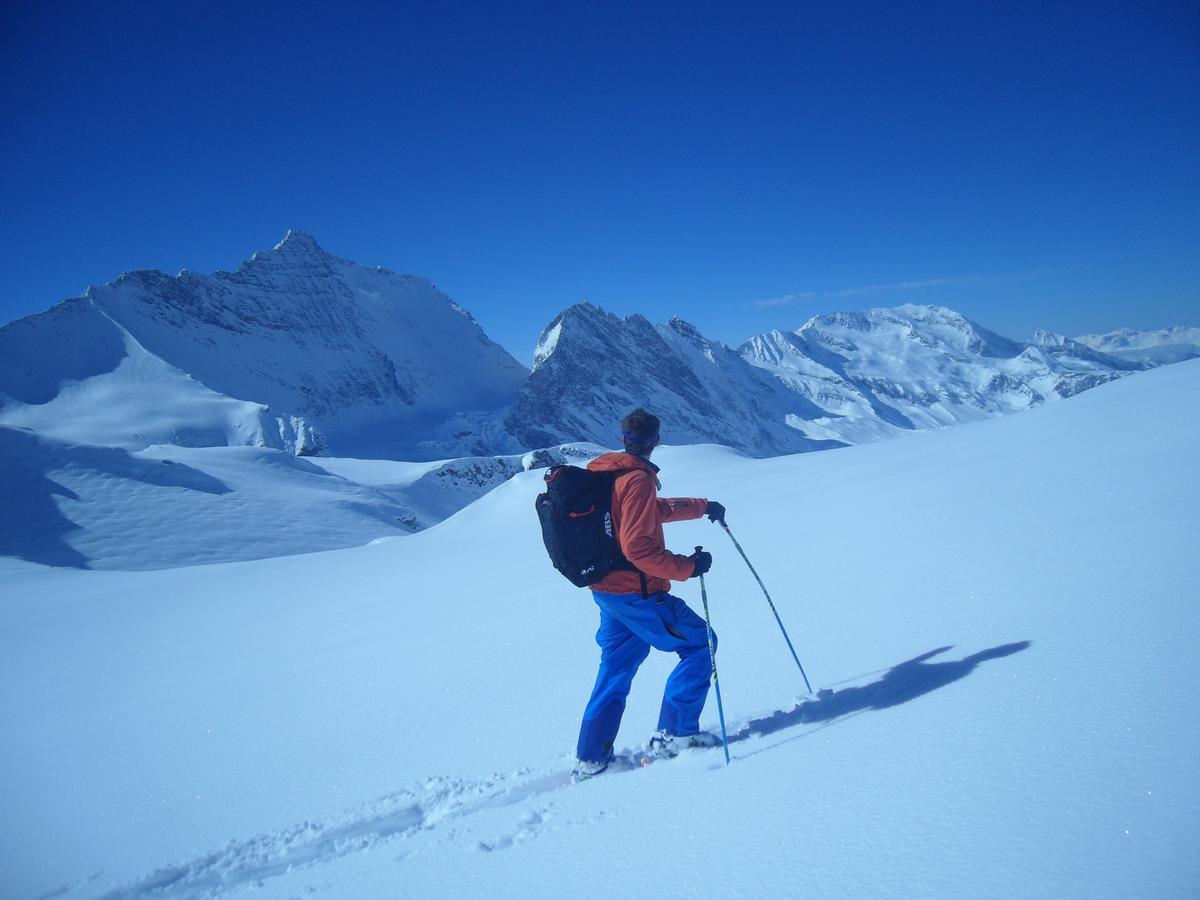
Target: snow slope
column 97, row 507
column 1005, row 613
column 74, row 374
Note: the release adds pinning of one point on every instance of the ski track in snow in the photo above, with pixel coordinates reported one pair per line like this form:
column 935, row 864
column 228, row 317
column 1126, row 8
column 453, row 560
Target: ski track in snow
column 415, row 809
column 268, row 855
column 438, row 799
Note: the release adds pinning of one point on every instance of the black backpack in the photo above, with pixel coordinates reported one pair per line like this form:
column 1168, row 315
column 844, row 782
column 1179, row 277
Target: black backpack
column 577, row 527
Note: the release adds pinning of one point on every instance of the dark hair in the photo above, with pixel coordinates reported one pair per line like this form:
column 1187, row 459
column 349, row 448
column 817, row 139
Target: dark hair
column 639, row 431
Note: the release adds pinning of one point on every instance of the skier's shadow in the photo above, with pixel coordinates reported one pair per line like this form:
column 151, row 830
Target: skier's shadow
column 902, row 683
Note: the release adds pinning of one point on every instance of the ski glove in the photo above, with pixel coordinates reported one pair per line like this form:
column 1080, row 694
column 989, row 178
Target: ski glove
column 702, row 560
column 715, row 512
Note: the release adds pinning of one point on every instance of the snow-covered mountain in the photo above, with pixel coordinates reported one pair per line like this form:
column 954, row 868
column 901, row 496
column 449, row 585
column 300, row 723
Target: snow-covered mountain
column 302, row 351
column 296, row 339
column 591, row 367
column 883, row 372
column 74, row 374
column 1168, row 345
column 844, row 378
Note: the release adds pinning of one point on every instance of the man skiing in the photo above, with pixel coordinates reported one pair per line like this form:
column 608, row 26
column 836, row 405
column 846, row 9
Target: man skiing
column 637, row 612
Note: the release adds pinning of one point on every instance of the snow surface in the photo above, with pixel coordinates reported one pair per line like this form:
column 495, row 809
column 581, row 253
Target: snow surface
column 97, row 507
column 1005, row 614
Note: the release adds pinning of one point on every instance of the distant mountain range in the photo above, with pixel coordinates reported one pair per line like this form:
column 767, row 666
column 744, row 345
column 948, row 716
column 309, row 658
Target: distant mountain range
column 1169, row 345
column 306, row 352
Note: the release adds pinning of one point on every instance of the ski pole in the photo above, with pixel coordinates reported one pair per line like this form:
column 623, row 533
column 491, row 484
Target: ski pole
column 770, row 602
column 712, row 655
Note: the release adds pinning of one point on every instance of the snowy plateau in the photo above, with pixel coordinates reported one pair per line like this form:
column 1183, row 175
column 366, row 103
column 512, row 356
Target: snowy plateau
column 244, row 653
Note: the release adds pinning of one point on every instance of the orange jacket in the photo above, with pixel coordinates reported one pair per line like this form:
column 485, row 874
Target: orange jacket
column 638, row 516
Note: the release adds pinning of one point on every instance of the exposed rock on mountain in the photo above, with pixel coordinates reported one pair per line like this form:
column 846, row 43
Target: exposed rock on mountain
column 385, row 363
column 305, row 352
column 886, row 371
column 591, row 367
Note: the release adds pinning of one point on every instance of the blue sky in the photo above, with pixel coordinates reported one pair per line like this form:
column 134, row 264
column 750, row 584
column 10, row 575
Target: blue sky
column 743, row 165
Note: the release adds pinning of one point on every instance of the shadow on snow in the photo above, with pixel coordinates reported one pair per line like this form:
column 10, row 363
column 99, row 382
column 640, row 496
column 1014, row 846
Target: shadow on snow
column 33, row 527
column 901, row 683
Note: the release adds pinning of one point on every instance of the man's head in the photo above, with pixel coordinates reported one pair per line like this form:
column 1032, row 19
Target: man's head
column 639, row 430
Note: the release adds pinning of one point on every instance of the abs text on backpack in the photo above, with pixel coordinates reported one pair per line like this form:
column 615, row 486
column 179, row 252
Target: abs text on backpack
column 577, row 527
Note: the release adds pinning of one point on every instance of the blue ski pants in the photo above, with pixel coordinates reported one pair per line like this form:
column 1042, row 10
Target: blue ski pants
column 630, row 625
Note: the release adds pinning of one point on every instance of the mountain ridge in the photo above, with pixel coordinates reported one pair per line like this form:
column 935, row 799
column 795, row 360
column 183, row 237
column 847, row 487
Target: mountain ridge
column 307, row 352
column 370, row 355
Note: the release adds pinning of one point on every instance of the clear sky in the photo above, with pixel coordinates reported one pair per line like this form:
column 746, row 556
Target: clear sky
column 744, row 165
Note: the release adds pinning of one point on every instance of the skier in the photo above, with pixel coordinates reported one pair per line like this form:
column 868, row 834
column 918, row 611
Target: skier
column 637, row 612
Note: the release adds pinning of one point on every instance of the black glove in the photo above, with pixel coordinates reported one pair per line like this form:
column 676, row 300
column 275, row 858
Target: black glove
column 715, row 512
column 702, row 560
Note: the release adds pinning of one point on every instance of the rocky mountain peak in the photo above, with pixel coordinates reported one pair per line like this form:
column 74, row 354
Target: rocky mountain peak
column 1048, row 339
column 374, row 359
column 298, row 254
column 299, row 242
column 688, row 332
column 592, row 367
column 584, row 311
